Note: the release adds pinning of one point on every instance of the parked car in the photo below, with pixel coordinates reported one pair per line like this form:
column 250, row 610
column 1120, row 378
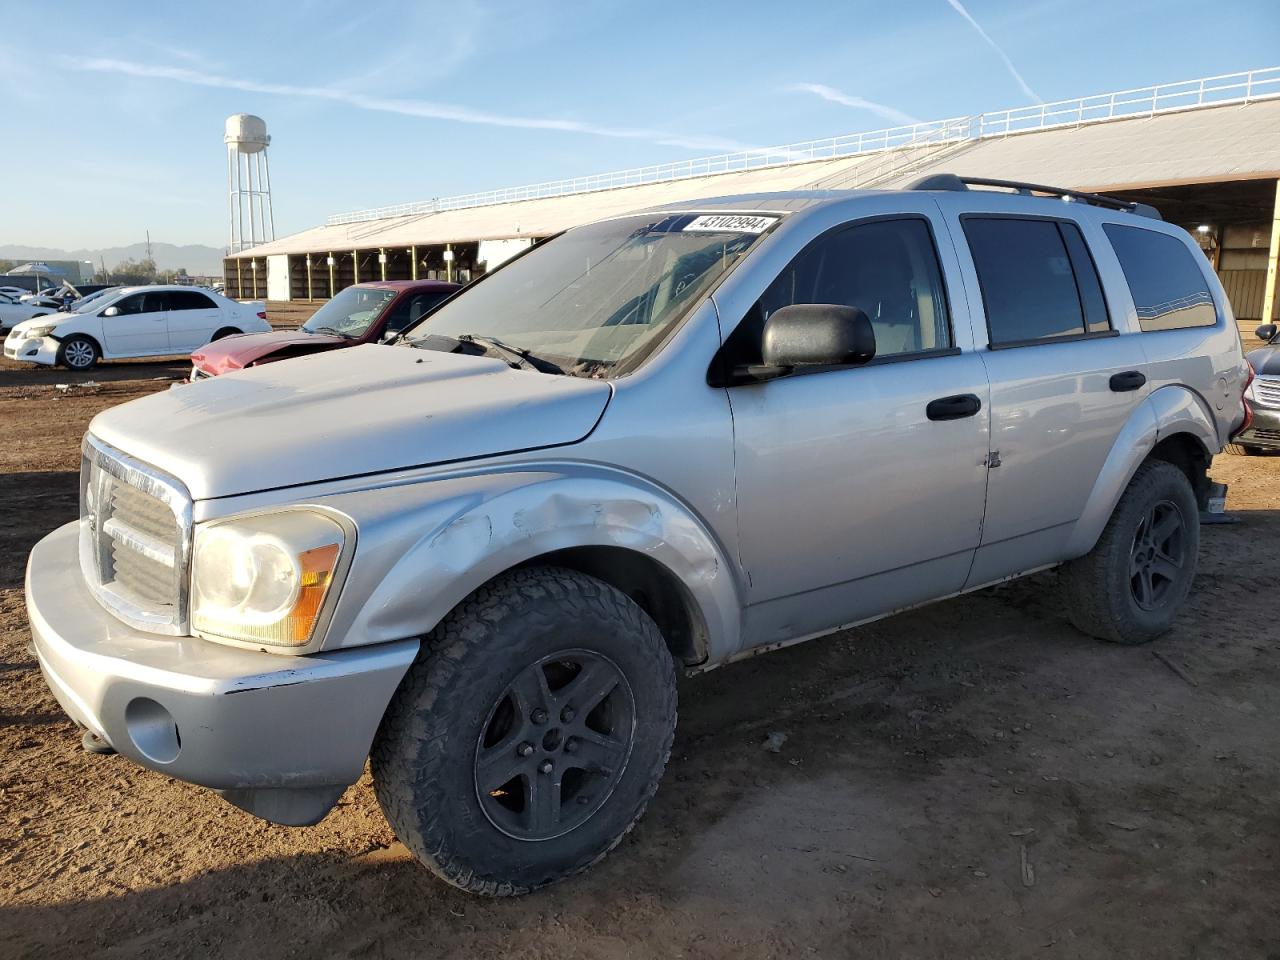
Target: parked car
column 1262, row 398
column 364, row 313
column 152, row 321
column 660, row 442
column 13, row 293
column 15, row 311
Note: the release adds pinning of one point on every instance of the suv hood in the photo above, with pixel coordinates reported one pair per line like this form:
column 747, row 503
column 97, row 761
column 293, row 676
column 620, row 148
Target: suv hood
column 237, row 352
column 370, row 409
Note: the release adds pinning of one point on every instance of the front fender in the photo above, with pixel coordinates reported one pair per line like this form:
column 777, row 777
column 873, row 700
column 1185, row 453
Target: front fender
column 423, row 547
column 1163, row 413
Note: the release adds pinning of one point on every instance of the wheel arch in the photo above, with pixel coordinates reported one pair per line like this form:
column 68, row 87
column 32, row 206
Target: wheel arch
column 650, row 585
column 466, row 531
column 96, row 341
column 1172, row 424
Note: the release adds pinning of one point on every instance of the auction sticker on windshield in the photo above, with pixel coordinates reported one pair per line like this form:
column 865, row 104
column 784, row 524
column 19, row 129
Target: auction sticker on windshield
column 731, row 223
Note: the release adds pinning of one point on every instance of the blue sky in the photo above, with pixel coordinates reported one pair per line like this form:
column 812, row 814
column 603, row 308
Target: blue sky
column 374, row 103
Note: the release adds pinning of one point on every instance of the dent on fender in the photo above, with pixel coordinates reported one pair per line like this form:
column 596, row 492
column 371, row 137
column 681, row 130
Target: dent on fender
column 488, row 534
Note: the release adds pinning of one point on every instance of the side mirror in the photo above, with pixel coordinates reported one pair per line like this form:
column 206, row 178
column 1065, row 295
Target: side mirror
column 817, row 335
column 1266, row 333
column 111, row 312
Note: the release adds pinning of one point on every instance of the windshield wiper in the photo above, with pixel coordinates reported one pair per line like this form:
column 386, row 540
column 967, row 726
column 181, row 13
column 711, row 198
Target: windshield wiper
column 336, row 333
column 520, row 357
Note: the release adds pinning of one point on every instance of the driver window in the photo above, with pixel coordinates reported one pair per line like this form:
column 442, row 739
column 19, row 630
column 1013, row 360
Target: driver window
column 133, row 304
column 886, row 268
column 410, row 310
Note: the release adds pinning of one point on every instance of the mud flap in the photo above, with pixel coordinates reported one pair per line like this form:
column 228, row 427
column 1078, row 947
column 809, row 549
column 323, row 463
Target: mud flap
column 1215, row 509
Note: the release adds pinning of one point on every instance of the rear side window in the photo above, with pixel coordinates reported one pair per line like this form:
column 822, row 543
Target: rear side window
column 189, row 300
column 1038, row 280
column 1167, row 286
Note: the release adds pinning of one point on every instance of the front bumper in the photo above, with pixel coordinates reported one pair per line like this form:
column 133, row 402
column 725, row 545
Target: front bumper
column 1264, row 431
column 35, row 350
column 279, row 736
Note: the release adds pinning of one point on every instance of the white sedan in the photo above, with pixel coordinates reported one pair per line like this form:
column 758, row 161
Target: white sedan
column 152, row 321
column 13, row 311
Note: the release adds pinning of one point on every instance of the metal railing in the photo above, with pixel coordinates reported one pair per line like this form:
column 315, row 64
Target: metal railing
column 1216, row 91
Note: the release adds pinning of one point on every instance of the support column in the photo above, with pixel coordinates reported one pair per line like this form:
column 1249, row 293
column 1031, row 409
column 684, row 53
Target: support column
column 309, row 297
column 239, row 282
column 413, row 259
column 448, row 262
column 332, row 261
column 1273, row 255
column 355, row 266
column 382, row 262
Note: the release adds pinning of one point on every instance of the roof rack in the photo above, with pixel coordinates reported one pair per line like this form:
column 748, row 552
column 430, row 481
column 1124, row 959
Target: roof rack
column 950, row 181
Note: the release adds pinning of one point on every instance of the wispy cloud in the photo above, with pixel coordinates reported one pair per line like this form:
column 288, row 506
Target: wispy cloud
column 835, row 96
column 408, row 107
column 958, row 7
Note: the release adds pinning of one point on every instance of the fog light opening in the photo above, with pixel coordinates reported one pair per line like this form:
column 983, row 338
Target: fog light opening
column 153, row 730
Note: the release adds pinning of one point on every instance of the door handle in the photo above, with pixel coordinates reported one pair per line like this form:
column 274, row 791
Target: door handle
column 1128, row 380
column 953, row 408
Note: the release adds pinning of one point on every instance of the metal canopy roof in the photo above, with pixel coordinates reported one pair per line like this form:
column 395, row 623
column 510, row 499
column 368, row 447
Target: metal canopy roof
column 1212, row 130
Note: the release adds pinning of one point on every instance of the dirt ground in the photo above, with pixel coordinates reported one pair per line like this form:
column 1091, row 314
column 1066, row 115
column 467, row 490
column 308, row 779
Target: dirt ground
column 971, row 780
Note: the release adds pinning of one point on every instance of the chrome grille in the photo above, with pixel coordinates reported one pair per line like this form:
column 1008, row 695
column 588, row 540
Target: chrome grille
column 1266, row 390
column 135, row 532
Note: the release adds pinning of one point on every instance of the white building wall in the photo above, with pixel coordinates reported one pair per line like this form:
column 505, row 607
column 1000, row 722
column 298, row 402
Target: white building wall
column 278, row 277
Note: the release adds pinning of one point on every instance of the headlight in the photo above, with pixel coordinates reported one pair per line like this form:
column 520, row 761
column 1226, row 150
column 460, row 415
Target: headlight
column 40, row 332
column 264, row 579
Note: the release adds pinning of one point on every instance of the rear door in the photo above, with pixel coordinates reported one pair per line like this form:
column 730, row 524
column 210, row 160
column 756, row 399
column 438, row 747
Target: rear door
column 193, row 320
column 140, row 326
column 1064, row 377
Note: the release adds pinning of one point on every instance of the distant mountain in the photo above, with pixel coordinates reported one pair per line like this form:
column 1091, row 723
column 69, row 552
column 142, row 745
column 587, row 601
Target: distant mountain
column 196, row 258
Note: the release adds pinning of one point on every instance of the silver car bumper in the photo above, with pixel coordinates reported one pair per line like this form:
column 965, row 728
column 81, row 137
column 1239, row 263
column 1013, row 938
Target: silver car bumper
column 1264, row 432
column 279, row 736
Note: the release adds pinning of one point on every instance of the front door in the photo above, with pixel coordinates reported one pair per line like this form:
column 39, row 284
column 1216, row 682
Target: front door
column 139, row 327
column 1064, row 380
column 860, row 489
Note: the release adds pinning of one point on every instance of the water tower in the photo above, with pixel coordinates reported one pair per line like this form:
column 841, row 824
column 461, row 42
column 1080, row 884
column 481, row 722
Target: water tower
column 248, row 181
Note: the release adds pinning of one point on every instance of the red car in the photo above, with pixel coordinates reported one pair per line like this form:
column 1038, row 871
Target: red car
column 364, row 313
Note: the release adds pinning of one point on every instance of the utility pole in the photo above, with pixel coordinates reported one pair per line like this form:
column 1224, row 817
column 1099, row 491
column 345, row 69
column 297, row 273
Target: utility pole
column 148, row 244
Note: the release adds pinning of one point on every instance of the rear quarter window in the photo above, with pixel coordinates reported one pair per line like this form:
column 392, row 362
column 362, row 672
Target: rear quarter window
column 1168, row 286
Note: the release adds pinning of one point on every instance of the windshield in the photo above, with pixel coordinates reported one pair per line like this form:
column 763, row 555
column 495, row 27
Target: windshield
column 597, row 299
column 92, row 300
column 351, row 312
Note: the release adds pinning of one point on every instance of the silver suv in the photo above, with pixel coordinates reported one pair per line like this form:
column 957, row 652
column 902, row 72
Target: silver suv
column 657, row 443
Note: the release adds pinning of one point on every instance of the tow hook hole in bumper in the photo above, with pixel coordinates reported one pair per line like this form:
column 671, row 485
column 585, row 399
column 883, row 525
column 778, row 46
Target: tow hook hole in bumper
column 153, row 730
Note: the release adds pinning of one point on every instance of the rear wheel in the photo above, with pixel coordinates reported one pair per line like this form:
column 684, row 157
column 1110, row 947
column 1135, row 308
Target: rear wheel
column 530, row 734
column 1238, row 450
column 225, row 332
column 78, row 353
column 1131, row 585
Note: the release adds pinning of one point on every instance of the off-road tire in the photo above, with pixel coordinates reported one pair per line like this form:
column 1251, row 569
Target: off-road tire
column 79, row 346
column 1238, row 450
column 1098, row 587
column 424, row 756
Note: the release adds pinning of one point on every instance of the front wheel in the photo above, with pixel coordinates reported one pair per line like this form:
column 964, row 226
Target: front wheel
column 78, row 353
column 1131, row 585
column 528, row 737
